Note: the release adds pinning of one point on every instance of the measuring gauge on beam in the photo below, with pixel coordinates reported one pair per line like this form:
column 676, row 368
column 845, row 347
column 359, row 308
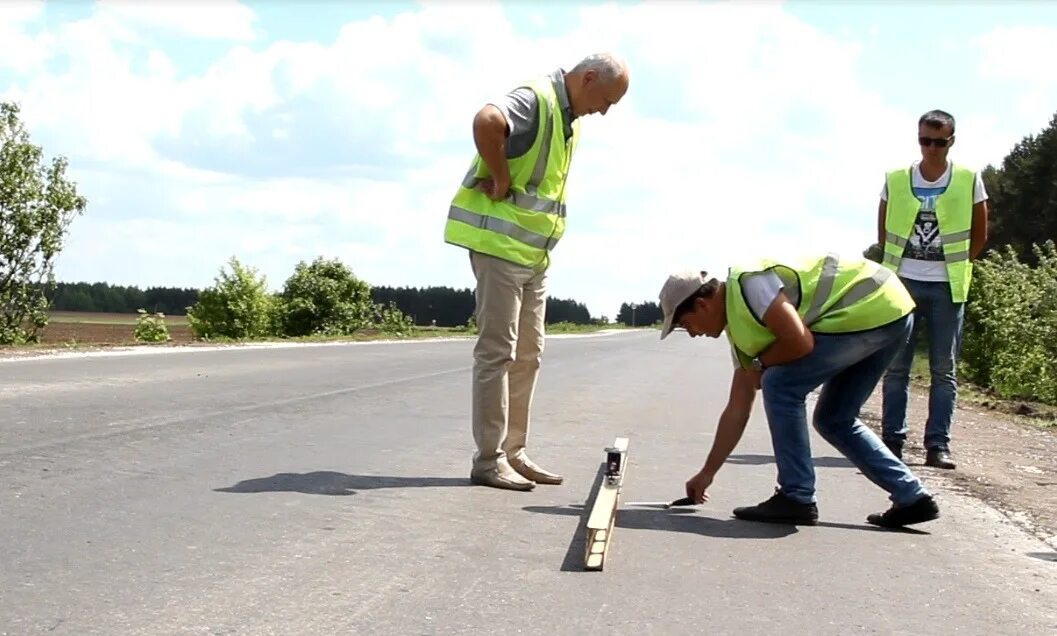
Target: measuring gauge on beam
column 613, row 457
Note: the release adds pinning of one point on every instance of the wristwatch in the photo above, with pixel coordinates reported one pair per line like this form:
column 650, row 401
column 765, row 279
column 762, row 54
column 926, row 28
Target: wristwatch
column 758, row 365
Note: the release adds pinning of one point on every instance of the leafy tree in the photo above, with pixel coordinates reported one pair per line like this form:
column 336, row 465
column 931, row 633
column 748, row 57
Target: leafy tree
column 1010, row 341
column 560, row 310
column 37, row 205
column 325, row 298
column 640, row 314
column 104, row 297
column 438, row 306
column 1023, row 194
column 238, row 306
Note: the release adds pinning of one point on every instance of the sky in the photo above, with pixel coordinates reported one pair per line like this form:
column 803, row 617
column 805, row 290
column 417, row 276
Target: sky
column 279, row 131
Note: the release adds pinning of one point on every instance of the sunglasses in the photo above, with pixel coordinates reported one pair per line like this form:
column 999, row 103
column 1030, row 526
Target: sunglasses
column 932, row 141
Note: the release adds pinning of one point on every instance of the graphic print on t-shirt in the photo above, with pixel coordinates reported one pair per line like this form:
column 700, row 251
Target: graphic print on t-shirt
column 923, row 254
column 924, row 243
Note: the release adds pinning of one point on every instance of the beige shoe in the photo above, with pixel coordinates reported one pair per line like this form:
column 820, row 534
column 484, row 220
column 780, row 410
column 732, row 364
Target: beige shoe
column 529, row 470
column 505, row 480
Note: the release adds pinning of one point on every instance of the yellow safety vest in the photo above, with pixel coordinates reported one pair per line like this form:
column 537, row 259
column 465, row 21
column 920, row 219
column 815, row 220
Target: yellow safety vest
column 954, row 214
column 831, row 295
column 525, row 226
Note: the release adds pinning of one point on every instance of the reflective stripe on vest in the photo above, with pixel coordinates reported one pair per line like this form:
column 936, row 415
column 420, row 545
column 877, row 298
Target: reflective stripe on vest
column 502, row 227
column 524, row 200
column 855, row 293
column 945, row 239
column 953, row 215
column 526, row 224
column 840, row 297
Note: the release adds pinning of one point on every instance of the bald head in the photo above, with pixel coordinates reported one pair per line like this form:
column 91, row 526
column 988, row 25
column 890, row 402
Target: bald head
column 608, row 66
column 597, row 82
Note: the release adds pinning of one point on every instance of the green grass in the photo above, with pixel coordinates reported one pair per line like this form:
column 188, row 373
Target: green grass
column 1034, row 413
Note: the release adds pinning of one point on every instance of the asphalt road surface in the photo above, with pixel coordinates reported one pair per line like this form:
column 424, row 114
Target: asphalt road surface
column 324, row 490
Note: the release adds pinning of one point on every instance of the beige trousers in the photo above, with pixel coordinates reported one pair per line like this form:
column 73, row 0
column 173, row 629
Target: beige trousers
column 510, row 313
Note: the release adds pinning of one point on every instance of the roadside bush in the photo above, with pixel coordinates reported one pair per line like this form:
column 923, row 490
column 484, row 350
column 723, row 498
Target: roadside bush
column 392, row 321
column 1010, row 338
column 151, row 327
column 326, row 299
column 238, row 306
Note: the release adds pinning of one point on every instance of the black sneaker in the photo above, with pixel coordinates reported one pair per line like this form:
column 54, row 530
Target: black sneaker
column 780, row 509
column 924, row 509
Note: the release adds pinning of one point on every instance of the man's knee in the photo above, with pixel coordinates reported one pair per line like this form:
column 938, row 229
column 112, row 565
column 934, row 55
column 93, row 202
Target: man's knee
column 530, row 342
column 942, row 366
column 942, row 372
column 899, row 368
column 823, row 422
column 527, row 361
column 819, row 422
column 530, row 347
column 495, row 348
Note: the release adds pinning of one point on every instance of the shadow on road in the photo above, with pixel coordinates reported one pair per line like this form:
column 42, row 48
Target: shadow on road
column 759, row 460
column 674, row 520
column 681, row 520
column 1044, row 556
column 328, row 482
column 574, row 554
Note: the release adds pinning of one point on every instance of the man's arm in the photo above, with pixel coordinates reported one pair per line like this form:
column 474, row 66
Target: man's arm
column 728, row 433
column 978, row 234
column 882, row 211
column 489, row 135
column 793, row 340
column 732, row 421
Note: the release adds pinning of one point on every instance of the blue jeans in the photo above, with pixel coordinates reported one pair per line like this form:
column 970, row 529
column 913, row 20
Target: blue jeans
column 943, row 318
column 848, row 367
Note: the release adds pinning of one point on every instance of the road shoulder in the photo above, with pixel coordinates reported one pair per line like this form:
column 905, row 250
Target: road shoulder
column 1010, row 464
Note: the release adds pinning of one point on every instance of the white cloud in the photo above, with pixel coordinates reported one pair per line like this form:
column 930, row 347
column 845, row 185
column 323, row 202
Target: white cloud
column 215, row 19
column 746, row 131
column 1019, row 53
column 21, row 51
column 1023, row 56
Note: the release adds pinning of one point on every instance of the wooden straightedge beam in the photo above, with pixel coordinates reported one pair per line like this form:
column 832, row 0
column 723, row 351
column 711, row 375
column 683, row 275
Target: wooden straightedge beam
column 603, row 515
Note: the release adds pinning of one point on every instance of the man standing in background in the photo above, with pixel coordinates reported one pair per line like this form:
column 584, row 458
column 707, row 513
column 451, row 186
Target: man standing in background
column 509, row 212
column 931, row 224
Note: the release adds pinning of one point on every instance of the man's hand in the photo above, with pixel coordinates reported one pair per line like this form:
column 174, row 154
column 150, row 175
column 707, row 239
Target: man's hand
column 697, row 487
column 496, row 189
column 489, row 135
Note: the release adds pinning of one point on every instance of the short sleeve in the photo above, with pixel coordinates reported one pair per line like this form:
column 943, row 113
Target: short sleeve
column 884, row 191
column 761, row 289
column 979, row 191
column 520, row 107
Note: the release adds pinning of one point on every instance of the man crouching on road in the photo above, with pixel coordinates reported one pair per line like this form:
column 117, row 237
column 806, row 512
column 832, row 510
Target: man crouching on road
column 794, row 326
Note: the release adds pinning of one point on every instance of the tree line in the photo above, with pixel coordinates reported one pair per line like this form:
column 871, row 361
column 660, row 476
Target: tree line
column 439, row 306
column 1011, row 317
column 103, row 297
